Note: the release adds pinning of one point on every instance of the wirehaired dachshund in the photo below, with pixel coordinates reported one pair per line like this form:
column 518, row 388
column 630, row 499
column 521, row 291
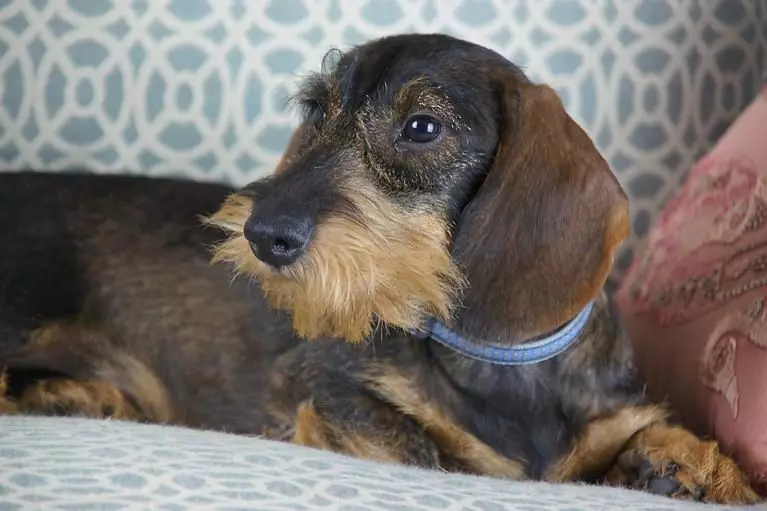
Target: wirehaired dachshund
column 421, row 284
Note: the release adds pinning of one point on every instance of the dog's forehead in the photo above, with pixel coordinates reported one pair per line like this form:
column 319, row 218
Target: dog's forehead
column 382, row 67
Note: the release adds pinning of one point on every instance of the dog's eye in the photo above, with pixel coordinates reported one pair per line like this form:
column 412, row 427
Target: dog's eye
column 421, row 129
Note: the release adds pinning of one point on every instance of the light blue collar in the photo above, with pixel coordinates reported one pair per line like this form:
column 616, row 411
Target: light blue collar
column 521, row 354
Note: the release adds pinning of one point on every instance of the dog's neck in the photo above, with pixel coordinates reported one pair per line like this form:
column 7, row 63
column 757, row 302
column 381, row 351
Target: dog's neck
column 523, row 352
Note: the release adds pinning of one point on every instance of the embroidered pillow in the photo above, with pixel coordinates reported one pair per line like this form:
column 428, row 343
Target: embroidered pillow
column 695, row 300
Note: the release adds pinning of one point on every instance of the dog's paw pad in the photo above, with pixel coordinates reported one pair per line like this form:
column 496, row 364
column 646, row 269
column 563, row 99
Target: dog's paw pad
column 637, row 471
column 663, row 485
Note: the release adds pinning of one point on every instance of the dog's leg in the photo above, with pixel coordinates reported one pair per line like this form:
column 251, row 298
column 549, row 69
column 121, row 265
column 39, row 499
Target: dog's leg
column 89, row 398
column 595, row 450
column 68, row 369
column 385, row 436
column 348, row 418
column 636, row 448
column 467, row 452
column 672, row 461
column 335, row 411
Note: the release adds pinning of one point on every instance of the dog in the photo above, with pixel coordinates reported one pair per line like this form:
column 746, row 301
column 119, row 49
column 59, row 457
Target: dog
column 422, row 283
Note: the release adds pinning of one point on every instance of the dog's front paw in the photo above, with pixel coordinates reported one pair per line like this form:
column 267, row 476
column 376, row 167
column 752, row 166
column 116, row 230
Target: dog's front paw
column 637, row 470
column 91, row 398
column 673, row 462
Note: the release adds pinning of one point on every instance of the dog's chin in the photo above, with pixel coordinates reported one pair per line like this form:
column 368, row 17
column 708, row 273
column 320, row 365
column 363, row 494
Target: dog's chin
column 355, row 275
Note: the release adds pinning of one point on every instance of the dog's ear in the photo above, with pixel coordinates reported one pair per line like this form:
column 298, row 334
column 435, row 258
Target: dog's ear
column 537, row 240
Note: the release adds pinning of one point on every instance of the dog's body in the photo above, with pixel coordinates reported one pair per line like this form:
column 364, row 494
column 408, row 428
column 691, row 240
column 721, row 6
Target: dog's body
column 120, row 266
column 494, row 200
column 100, row 268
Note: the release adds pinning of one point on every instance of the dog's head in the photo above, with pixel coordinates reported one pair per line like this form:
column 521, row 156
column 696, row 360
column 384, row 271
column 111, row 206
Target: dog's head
column 429, row 177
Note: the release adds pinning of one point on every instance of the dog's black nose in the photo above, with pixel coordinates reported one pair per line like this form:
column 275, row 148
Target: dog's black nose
column 278, row 241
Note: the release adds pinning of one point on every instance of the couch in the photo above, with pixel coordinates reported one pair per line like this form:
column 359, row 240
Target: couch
column 198, row 88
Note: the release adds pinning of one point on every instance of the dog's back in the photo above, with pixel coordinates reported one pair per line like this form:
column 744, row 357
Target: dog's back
column 117, row 262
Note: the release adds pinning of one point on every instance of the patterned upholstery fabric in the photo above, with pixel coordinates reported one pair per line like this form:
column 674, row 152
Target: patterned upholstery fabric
column 75, row 464
column 694, row 303
column 198, row 87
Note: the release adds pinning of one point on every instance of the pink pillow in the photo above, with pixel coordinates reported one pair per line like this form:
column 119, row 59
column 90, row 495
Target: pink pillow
column 695, row 300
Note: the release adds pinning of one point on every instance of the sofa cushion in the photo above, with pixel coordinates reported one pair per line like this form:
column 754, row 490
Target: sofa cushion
column 80, row 464
column 695, row 302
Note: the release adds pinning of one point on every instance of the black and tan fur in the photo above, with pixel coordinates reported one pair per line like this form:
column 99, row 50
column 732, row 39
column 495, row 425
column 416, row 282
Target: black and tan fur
column 504, row 226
